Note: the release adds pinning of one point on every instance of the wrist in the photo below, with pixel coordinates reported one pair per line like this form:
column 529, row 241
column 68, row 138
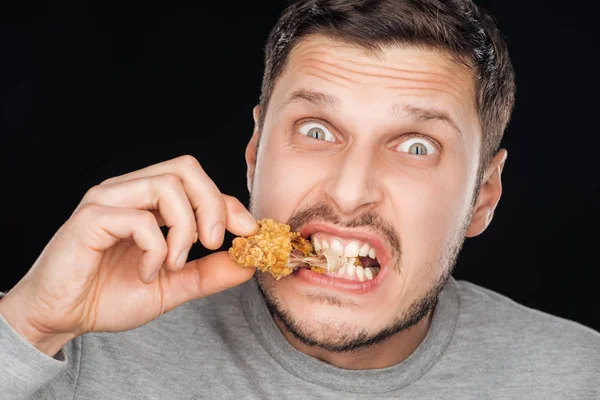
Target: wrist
column 47, row 342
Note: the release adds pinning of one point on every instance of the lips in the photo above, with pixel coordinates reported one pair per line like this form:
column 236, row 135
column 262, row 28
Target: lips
column 355, row 257
column 344, row 255
column 345, row 238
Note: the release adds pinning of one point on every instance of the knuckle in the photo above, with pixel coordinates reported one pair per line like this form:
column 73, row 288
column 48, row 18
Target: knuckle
column 147, row 218
column 189, row 161
column 220, row 207
column 93, row 193
column 190, row 168
column 169, row 180
column 233, row 203
column 107, row 181
column 85, row 213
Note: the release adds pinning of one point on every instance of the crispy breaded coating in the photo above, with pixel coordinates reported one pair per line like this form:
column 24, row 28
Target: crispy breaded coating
column 269, row 249
column 318, row 270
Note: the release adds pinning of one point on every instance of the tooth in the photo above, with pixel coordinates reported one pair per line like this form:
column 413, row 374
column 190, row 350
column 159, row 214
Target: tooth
column 342, row 270
column 372, row 253
column 337, row 247
column 324, row 244
column 350, row 270
column 364, row 250
column 360, row 273
column 351, row 249
column 350, row 260
column 316, row 244
column 368, row 273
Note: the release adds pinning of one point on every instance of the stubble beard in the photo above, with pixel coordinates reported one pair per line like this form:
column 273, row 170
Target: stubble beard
column 339, row 336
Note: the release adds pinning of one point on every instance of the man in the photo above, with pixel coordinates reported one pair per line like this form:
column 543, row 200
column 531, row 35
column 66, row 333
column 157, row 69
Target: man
column 377, row 134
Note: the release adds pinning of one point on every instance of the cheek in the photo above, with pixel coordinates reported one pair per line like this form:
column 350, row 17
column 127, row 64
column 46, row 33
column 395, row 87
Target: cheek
column 284, row 181
column 431, row 208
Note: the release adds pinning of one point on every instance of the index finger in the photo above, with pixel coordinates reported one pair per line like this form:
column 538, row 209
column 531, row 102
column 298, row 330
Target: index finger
column 214, row 211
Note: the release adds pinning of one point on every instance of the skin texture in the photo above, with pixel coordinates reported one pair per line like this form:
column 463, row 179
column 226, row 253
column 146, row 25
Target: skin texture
column 110, row 269
column 363, row 177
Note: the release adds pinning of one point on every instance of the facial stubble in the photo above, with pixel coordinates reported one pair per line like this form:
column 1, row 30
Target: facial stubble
column 339, row 336
column 345, row 339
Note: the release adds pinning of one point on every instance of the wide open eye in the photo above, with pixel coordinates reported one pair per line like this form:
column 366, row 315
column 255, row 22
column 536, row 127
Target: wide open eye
column 418, row 146
column 316, row 131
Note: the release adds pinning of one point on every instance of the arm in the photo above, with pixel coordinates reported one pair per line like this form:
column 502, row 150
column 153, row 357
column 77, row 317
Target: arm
column 25, row 369
column 109, row 268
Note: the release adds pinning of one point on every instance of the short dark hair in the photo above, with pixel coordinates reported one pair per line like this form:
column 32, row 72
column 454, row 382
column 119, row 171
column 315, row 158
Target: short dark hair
column 458, row 27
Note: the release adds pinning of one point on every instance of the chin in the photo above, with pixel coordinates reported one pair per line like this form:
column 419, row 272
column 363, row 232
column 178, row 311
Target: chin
column 341, row 322
column 327, row 318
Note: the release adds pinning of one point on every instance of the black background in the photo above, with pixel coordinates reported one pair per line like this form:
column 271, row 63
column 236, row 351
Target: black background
column 96, row 89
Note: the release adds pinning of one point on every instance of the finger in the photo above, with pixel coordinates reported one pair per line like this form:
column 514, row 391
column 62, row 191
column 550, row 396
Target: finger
column 164, row 167
column 100, row 227
column 204, row 196
column 203, row 277
column 164, row 193
column 239, row 220
column 159, row 219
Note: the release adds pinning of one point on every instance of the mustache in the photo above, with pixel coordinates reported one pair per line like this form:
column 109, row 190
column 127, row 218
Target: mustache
column 323, row 212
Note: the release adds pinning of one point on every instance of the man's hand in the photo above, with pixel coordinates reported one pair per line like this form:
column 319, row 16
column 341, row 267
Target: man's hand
column 109, row 267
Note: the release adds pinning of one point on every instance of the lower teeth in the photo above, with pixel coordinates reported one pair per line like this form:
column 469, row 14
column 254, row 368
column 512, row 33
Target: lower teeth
column 355, row 275
column 341, row 268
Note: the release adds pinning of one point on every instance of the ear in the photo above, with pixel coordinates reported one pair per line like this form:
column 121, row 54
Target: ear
column 252, row 150
column 489, row 195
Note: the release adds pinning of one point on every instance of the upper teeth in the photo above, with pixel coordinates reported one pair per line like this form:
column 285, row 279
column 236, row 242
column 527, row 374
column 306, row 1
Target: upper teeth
column 351, row 249
column 364, row 250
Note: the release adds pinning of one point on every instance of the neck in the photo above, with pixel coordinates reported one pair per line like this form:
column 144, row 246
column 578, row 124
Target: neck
column 392, row 351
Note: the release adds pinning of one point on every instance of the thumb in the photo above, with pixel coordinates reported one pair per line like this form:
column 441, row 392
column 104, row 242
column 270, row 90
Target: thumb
column 203, row 277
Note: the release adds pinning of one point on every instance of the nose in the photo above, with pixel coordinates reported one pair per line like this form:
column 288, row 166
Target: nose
column 352, row 184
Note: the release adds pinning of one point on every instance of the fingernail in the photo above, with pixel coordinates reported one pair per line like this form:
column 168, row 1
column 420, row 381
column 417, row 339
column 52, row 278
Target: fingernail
column 216, row 235
column 247, row 221
column 181, row 259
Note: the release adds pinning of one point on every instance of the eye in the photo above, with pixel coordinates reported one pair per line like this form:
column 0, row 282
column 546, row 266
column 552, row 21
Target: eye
column 316, row 131
column 418, row 146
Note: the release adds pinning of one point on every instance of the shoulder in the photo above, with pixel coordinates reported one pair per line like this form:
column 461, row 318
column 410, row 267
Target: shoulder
column 484, row 306
column 492, row 317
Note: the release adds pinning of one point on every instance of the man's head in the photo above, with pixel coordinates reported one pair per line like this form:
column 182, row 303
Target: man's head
column 379, row 124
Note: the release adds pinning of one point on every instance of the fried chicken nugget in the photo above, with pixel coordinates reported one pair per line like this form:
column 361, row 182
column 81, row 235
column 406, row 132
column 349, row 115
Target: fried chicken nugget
column 269, row 249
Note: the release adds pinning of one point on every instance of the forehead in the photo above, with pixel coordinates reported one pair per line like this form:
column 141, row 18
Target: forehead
column 401, row 76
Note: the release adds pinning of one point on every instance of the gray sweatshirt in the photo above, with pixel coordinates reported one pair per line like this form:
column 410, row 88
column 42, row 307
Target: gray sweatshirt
column 480, row 345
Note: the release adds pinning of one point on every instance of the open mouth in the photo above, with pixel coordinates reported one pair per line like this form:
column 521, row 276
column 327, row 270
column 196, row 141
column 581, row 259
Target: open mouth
column 350, row 259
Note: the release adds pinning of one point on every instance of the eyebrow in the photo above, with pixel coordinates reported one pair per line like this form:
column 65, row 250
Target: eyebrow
column 317, row 99
column 417, row 114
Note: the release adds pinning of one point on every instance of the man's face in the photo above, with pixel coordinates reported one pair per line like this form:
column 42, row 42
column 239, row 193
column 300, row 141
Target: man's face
column 367, row 150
